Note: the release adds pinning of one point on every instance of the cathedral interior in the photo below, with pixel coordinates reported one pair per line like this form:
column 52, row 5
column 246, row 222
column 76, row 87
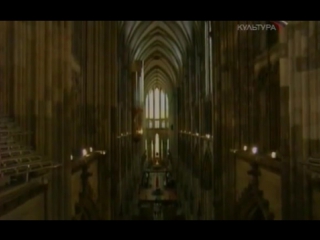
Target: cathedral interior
column 159, row 120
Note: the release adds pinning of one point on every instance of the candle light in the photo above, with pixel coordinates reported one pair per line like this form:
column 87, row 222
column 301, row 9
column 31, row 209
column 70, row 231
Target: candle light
column 84, row 152
column 254, row 150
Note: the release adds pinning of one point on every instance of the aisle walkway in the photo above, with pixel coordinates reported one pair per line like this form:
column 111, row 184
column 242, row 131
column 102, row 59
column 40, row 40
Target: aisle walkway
column 157, row 200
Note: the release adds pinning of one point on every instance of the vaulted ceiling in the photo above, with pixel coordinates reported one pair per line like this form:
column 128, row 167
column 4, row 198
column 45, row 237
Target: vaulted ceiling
column 162, row 45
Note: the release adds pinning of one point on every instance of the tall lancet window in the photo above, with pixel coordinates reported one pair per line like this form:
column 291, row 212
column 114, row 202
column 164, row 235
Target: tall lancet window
column 151, row 105
column 157, row 108
column 147, row 107
column 157, row 103
column 162, row 105
column 167, row 107
column 163, row 109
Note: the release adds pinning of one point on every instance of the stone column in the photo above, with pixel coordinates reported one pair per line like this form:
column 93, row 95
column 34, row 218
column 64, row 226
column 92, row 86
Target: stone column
column 68, row 106
column 3, row 83
column 295, row 76
column 284, row 125
column 114, row 125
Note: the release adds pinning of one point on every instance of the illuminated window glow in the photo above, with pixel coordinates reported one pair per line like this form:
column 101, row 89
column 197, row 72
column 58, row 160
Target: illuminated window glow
column 157, row 109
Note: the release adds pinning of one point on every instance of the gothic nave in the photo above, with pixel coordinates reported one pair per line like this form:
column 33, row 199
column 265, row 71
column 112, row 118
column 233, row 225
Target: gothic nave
column 159, row 120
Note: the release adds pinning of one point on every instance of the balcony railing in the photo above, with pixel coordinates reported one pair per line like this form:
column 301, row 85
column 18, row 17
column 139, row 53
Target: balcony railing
column 18, row 162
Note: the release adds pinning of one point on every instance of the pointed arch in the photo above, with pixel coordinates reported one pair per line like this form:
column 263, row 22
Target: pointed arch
column 161, row 44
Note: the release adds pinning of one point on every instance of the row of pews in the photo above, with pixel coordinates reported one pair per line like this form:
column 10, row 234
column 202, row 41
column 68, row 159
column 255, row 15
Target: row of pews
column 19, row 163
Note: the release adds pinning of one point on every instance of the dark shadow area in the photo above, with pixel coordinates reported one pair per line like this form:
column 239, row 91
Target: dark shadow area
column 258, row 215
